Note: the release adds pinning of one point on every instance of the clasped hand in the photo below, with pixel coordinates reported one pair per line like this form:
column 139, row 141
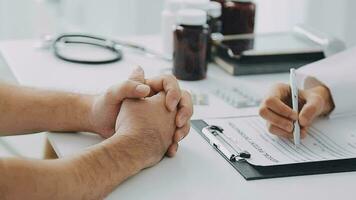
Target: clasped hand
column 107, row 107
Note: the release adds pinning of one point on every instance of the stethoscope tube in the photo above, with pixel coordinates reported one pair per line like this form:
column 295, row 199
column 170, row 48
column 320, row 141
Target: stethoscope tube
column 106, row 44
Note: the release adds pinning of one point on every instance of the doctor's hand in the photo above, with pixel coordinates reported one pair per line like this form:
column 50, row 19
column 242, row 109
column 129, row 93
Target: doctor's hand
column 276, row 109
column 106, row 107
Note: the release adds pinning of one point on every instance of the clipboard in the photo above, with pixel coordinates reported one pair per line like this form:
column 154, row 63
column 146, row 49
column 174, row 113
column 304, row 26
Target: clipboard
column 253, row 172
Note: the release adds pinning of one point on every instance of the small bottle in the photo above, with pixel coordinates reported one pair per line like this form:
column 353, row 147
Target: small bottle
column 190, row 45
column 238, row 17
column 214, row 14
column 215, row 24
column 197, row 4
column 168, row 22
column 222, row 2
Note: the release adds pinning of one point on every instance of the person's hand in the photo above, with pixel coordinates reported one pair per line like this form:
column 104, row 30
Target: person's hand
column 276, row 109
column 149, row 125
column 106, row 107
column 175, row 97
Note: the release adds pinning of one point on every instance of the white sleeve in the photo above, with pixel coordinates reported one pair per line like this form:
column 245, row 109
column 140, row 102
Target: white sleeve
column 338, row 73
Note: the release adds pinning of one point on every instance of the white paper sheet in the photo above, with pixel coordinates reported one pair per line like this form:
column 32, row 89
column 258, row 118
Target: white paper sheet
column 328, row 139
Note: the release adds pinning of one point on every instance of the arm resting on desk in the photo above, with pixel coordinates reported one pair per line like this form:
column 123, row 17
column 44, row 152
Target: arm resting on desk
column 141, row 140
column 91, row 175
column 27, row 110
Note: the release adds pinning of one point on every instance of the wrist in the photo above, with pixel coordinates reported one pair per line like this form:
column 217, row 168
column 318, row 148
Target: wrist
column 104, row 166
column 129, row 148
column 327, row 98
column 86, row 103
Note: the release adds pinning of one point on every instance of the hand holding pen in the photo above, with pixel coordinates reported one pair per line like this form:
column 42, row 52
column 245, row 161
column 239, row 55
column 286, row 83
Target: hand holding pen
column 277, row 110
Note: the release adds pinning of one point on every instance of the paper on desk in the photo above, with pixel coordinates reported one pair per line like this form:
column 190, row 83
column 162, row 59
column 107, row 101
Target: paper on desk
column 327, row 140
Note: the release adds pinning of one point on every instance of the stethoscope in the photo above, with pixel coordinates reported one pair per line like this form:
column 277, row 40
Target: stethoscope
column 62, row 43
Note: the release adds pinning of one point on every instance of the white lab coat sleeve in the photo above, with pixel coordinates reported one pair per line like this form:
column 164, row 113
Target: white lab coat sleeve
column 338, row 73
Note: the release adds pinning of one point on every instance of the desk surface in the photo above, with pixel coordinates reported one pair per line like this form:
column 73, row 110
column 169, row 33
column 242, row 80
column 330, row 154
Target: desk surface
column 198, row 171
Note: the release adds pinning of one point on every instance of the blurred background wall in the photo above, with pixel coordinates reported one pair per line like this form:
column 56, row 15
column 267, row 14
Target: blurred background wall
column 32, row 18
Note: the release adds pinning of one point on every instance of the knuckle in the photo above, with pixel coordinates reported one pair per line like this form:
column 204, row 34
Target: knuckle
column 124, row 85
column 191, row 111
column 186, row 94
column 110, row 92
column 175, row 92
column 171, row 77
column 312, row 109
column 270, row 101
column 281, row 86
column 186, row 111
column 127, row 83
column 187, row 128
column 263, row 111
column 282, row 123
column 270, row 128
column 187, row 97
column 318, row 99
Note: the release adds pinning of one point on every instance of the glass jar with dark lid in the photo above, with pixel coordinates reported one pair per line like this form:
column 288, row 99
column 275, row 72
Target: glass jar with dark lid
column 190, row 45
column 238, row 17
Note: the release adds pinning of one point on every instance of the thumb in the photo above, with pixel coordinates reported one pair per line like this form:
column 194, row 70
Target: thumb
column 129, row 89
column 311, row 109
column 138, row 75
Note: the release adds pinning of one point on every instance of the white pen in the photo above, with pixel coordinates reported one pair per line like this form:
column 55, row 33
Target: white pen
column 294, row 91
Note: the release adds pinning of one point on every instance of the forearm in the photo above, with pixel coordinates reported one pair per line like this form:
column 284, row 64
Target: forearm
column 102, row 168
column 35, row 179
column 92, row 174
column 27, row 110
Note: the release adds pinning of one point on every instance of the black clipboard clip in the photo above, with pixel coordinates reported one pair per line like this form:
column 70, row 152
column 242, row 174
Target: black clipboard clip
column 217, row 139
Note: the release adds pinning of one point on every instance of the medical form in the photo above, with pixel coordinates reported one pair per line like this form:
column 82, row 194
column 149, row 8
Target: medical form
column 328, row 139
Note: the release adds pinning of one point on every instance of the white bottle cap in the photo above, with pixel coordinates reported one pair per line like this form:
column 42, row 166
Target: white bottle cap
column 214, row 9
column 193, row 17
column 174, row 5
column 197, row 4
column 243, row 1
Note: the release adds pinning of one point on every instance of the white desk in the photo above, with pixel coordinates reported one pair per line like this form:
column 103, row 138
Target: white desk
column 198, row 171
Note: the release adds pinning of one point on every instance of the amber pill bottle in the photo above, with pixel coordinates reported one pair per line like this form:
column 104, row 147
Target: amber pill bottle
column 238, row 17
column 190, row 45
